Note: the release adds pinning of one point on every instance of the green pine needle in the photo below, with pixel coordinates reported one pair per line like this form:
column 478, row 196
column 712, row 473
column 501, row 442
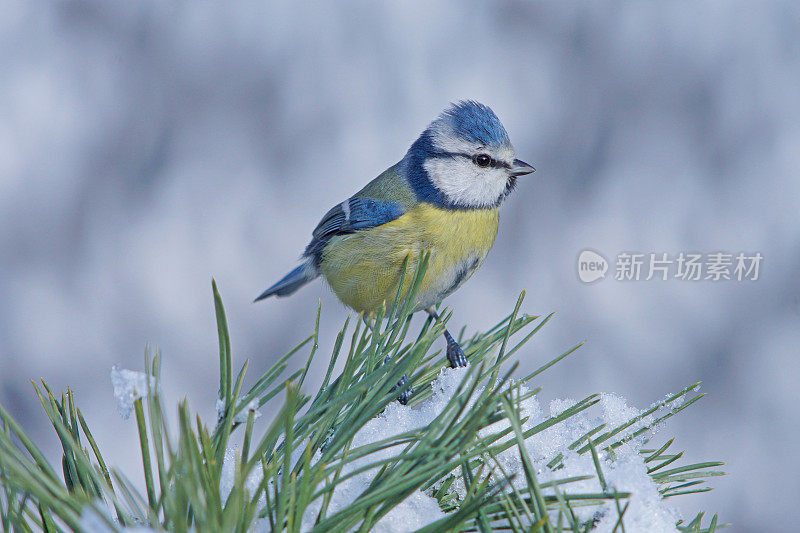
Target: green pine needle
column 287, row 468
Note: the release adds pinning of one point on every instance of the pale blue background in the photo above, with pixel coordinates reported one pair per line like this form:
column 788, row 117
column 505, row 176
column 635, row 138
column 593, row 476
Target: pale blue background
column 147, row 146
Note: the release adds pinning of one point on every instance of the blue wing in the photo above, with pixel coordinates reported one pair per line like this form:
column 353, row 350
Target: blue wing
column 354, row 214
column 382, row 200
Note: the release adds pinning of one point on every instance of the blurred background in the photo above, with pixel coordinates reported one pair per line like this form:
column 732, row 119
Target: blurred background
column 148, row 146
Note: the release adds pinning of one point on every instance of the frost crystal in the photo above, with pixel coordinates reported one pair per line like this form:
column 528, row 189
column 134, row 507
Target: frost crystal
column 241, row 417
column 95, row 518
column 129, row 386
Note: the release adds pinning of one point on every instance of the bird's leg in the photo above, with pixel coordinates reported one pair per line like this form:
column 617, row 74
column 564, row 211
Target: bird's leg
column 454, row 352
column 406, row 395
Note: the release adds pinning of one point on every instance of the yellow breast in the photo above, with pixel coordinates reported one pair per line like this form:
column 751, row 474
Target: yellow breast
column 364, row 268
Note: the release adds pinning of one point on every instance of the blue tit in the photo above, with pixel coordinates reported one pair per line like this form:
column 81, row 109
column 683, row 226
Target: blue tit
column 443, row 196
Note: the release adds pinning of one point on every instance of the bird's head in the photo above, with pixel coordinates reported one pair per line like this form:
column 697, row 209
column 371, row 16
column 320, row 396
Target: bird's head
column 464, row 159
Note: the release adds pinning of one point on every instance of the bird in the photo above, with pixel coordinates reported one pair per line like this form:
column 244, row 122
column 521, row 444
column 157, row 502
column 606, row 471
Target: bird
column 442, row 198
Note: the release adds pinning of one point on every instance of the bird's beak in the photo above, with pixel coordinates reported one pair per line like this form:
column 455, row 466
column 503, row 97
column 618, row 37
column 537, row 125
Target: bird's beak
column 520, row 168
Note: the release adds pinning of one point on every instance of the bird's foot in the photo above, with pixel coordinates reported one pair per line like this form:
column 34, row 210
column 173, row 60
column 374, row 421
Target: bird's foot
column 455, row 354
column 405, row 395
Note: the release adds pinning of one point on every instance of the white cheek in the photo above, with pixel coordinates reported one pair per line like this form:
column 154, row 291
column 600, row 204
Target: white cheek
column 465, row 183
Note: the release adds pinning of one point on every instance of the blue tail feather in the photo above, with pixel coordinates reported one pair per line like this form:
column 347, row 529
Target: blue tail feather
column 290, row 282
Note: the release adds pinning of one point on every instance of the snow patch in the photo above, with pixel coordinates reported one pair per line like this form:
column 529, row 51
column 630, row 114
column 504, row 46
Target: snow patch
column 129, row 386
column 625, row 472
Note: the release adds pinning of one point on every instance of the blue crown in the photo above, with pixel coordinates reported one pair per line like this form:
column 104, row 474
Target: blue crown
column 475, row 122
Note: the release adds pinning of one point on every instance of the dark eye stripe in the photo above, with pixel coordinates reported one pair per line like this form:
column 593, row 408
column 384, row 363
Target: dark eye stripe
column 497, row 163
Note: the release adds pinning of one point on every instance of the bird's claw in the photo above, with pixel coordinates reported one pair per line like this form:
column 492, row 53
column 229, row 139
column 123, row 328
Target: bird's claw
column 403, row 398
column 405, row 395
column 455, row 354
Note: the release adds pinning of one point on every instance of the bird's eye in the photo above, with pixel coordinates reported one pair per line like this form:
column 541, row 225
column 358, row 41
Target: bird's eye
column 482, row 160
